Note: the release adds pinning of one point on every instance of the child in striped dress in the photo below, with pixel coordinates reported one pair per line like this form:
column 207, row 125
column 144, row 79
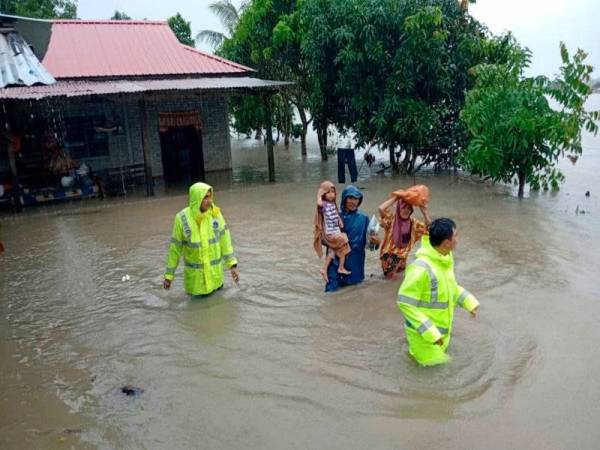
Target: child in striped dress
column 328, row 229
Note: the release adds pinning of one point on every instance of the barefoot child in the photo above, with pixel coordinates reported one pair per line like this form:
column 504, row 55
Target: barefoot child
column 328, row 225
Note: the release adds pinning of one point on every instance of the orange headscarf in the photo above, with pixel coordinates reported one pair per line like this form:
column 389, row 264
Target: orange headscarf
column 417, row 195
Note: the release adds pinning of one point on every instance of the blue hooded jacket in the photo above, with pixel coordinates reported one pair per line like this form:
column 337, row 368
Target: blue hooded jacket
column 355, row 226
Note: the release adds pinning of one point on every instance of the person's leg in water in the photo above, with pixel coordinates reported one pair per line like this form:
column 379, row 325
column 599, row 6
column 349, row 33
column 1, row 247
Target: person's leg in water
column 328, row 258
column 342, row 269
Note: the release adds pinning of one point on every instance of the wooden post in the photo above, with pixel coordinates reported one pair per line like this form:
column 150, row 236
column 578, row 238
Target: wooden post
column 16, row 190
column 146, row 149
column 270, row 156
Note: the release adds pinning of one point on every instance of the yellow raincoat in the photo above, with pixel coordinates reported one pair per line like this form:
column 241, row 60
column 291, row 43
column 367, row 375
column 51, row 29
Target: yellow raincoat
column 204, row 241
column 427, row 298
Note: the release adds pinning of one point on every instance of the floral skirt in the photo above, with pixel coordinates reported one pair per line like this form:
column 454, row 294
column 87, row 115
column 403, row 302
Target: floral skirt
column 392, row 263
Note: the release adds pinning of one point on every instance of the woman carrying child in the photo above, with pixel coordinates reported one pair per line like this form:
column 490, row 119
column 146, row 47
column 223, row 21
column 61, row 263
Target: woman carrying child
column 328, row 229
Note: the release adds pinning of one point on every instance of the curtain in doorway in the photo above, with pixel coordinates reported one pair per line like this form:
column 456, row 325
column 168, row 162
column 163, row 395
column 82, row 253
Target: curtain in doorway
column 168, row 120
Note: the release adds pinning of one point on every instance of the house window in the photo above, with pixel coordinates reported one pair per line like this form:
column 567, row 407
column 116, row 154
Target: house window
column 82, row 140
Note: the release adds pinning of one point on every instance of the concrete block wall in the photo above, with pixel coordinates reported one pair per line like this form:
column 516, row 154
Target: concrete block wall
column 215, row 127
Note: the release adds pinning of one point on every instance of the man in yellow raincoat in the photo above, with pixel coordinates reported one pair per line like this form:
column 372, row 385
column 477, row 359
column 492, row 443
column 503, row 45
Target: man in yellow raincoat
column 429, row 293
column 201, row 235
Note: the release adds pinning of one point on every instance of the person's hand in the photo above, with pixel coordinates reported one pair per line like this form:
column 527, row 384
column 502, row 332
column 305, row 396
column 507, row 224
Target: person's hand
column 374, row 240
column 439, row 342
column 235, row 274
column 474, row 312
column 166, row 284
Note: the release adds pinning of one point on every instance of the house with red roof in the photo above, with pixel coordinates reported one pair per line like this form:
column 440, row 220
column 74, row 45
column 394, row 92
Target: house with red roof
column 121, row 103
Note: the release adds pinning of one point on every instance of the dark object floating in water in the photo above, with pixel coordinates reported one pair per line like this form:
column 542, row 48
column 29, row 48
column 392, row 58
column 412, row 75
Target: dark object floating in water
column 587, row 193
column 131, row 391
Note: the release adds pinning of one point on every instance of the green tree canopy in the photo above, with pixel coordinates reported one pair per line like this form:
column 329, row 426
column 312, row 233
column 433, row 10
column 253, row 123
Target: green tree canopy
column 41, row 9
column 516, row 133
column 395, row 72
column 258, row 43
column 182, row 29
column 119, row 15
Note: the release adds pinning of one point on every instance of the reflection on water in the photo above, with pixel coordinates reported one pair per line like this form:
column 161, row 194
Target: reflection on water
column 276, row 363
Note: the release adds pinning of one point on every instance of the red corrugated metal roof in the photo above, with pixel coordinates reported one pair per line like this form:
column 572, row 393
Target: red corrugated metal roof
column 118, row 48
column 83, row 88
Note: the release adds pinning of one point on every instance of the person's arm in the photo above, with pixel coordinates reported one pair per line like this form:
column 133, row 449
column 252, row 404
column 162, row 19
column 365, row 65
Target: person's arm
column 386, row 217
column 386, row 204
column 425, row 211
column 227, row 251
column 175, row 248
column 466, row 300
column 411, row 295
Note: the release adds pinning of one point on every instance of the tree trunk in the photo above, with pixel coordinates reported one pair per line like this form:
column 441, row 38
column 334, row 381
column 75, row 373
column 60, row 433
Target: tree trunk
column 521, row 176
column 322, row 136
column 269, row 136
column 393, row 158
column 324, row 148
column 319, row 137
column 304, row 121
column 404, row 166
column 413, row 160
column 287, row 126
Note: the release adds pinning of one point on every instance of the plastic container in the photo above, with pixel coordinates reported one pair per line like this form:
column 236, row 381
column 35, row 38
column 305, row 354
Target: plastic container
column 372, row 230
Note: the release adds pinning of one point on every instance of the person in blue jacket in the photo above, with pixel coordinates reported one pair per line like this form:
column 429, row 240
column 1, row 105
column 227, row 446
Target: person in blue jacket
column 356, row 223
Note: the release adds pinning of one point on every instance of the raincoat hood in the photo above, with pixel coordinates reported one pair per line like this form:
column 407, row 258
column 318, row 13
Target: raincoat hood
column 197, row 193
column 350, row 191
column 430, row 253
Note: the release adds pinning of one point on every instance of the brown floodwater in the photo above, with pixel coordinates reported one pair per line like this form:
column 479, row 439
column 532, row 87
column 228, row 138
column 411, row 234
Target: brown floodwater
column 276, row 363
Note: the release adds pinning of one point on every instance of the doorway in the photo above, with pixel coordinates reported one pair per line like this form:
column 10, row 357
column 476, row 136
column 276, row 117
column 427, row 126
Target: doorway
column 182, row 155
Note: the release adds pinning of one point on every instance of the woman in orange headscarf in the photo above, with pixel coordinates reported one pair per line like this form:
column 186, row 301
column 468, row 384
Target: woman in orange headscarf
column 401, row 229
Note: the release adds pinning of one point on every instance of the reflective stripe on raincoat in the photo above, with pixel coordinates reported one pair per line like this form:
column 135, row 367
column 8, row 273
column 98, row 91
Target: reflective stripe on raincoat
column 427, row 298
column 205, row 243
